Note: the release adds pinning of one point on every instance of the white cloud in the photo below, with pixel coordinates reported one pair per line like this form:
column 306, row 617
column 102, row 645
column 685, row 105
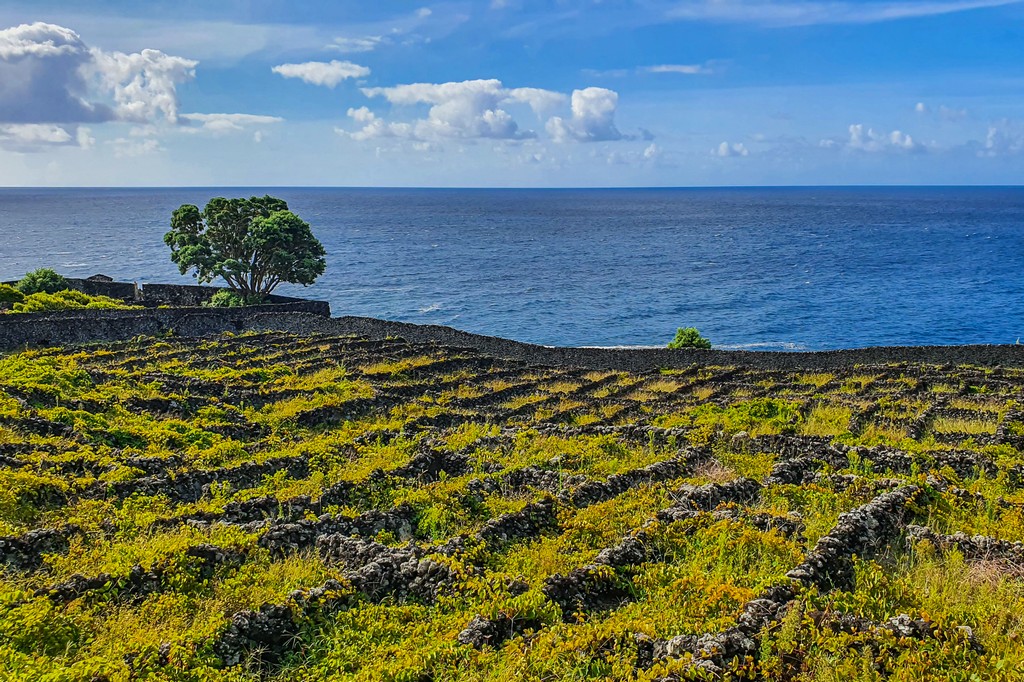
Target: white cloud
column 808, row 13
column 726, row 150
column 593, row 117
column 39, row 40
column 48, row 75
column 145, row 83
column 424, row 12
column 128, row 148
column 362, row 115
column 1004, row 138
column 484, row 109
column 328, row 74
column 652, row 151
column 220, row 124
column 867, row 140
column 944, row 112
column 356, row 45
column 684, row 69
column 543, row 102
column 85, row 138
column 29, row 137
column 467, row 109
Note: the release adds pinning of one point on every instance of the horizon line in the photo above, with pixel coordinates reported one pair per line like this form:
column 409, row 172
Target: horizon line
column 513, row 187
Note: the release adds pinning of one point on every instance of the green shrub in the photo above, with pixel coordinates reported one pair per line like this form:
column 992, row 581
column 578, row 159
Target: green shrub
column 689, row 337
column 43, row 280
column 9, row 294
column 225, row 298
column 66, row 300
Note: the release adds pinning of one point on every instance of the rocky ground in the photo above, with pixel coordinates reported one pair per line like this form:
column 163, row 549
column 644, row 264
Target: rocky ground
column 271, row 506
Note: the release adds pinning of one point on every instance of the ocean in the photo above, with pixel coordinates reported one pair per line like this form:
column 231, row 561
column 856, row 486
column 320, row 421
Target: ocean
column 758, row 268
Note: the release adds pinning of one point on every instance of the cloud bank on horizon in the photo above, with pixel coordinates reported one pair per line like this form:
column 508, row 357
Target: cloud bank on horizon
column 512, row 93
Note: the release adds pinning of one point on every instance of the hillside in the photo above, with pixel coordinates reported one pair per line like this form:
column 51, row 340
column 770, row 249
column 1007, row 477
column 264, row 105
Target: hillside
column 273, row 506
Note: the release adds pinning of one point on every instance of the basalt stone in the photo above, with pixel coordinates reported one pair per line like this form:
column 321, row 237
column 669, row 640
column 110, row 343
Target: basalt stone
column 859, row 532
column 691, row 500
column 790, row 526
column 288, row 538
column 427, row 467
column 481, row 631
column 378, row 571
column 600, row 491
column 525, row 479
column 260, row 637
column 801, row 468
column 598, row 586
column 973, row 548
column 139, row 582
column 25, row 552
column 194, row 485
column 533, row 520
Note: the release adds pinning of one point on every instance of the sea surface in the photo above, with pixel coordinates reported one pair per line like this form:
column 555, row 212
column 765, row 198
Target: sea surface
column 786, row 269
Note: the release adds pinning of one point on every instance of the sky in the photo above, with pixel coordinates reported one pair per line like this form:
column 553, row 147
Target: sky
column 511, row 93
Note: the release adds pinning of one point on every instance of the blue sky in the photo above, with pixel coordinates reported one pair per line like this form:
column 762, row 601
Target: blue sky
column 512, row 92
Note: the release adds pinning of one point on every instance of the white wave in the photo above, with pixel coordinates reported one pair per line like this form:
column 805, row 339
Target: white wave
column 432, row 308
column 764, row 345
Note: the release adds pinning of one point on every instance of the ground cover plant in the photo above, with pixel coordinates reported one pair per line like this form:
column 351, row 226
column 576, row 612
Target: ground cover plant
column 273, row 507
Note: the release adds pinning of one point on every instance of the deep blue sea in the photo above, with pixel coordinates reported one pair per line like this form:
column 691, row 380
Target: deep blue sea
column 796, row 268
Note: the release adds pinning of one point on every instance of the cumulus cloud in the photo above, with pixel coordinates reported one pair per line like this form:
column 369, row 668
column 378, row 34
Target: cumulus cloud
column 1004, row 138
column 362, row 115
column 220, row 124
column 328, row 74
column 144, row 84
column 593, row 118
column 466, row 109
column 726, row 150
column 870, row 141
column 485, row 109
column 48, row 75
column 42, row 78
column 29, row 137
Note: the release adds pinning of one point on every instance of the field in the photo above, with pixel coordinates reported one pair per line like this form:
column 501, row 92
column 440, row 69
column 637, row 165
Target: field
column 268, row 506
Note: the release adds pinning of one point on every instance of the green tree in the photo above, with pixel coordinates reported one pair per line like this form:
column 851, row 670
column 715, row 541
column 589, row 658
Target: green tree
column 689, row 337
column 253, row 244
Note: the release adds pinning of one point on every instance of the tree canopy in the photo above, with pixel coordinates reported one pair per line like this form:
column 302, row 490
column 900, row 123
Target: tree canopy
column 253, row 244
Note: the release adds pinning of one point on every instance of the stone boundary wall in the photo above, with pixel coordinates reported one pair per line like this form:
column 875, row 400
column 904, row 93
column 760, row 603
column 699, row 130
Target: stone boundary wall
column 650, row 359
column 80, row 327
column 152, row 295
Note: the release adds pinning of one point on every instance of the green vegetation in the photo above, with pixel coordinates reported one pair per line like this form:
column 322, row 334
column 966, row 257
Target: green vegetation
column 187, row 487
column 66, row 300
column 689, row 337
column 43, row 280
column 229, row 299
column 9, row 295
column 253, row 244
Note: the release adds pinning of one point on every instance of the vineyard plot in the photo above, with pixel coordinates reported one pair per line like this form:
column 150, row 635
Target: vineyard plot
column 270, row 506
